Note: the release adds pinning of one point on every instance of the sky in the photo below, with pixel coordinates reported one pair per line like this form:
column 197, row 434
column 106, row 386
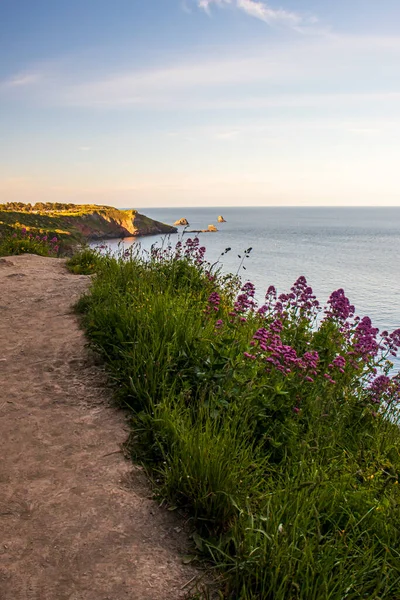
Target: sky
column 136, row 103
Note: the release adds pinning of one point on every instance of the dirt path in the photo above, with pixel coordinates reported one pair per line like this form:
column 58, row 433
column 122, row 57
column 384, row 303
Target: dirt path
column 77, row 520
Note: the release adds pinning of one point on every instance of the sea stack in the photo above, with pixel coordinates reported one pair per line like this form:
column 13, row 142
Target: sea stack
column 183, row 222
column 220, row 219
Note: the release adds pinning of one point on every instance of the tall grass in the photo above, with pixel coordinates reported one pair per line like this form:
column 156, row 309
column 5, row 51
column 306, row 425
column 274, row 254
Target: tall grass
column 273, row 425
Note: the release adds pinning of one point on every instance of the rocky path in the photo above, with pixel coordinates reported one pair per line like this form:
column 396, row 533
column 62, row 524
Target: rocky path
column 77, row 520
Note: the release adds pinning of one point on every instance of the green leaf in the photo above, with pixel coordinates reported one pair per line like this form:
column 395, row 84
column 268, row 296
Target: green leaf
column 198, row 541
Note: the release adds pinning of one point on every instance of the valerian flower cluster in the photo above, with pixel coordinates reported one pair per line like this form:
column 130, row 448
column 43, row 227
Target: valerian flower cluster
column 25, row 241
column 298, row 343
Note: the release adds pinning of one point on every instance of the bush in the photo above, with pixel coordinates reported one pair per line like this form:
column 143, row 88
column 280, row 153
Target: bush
column 84, row 262
column 23, row 242
column 275, row 425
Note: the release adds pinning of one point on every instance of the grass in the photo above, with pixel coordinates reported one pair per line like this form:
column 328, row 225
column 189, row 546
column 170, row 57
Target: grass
column 23, row 242
column 273, row 426
column 86, row 262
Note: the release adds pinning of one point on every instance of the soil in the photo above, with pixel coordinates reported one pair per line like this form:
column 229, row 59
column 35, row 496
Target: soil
column 77, row 519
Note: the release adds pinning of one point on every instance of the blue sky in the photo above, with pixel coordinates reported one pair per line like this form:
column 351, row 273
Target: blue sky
column 200, row 102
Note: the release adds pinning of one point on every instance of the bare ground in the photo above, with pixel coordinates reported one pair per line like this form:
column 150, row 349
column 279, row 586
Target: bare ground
column 77, row 520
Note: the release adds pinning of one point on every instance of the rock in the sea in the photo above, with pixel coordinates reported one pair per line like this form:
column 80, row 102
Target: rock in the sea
column 182, row 222
column 210, row 229
column 221, row 219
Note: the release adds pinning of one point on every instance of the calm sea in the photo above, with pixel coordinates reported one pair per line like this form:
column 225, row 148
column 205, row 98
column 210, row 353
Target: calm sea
column 357, row 249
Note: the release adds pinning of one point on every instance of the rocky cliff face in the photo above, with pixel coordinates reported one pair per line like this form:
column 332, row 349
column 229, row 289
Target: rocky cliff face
column 113, row 223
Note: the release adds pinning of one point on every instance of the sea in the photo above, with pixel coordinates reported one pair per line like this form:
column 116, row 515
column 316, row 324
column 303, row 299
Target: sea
column 357, row 249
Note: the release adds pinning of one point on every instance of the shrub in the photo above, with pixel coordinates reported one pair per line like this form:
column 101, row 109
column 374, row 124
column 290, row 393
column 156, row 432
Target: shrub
column 84, row 262
column 23, row 242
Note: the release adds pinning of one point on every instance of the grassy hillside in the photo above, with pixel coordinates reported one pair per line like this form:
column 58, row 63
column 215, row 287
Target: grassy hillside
column 77, row 223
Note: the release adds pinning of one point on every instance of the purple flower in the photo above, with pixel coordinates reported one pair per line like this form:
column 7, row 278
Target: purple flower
column 214, row 301
column 391, row 341
column 300, row 301
column 340, row 307
column 384, row 388
column 249, row 289
column 365, row 344
column 271, row 292
column 339, row 362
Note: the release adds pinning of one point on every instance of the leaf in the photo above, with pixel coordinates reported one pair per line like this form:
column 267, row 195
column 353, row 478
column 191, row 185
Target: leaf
column 198, row 541
column 120, row 335
column 188, row 558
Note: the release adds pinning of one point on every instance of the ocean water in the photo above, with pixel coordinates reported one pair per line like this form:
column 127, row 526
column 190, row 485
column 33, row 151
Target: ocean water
column 357, row 249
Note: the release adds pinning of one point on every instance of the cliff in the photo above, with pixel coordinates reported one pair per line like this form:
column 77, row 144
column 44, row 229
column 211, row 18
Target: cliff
column 79, row 223
column 113, row 223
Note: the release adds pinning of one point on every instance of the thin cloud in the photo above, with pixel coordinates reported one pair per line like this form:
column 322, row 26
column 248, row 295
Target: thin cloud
column 305, row 73
column 206, row 4
column 264, row 12
column 21, row 80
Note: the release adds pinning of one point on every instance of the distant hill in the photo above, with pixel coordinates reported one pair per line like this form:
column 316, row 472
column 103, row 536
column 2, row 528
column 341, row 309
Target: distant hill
column 76, row 223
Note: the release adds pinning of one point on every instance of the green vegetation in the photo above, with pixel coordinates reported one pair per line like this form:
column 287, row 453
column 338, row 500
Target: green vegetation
column 22, row 242
column 272, row 427
column 75, row 224
column 86, row 262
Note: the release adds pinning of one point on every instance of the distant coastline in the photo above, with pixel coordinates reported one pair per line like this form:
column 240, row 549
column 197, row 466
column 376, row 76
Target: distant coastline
column 76, row 224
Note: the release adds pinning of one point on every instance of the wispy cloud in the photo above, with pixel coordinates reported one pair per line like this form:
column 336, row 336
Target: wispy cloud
column 206, row 4
column 21, row 80
column 264, row 12
column 306, row 72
